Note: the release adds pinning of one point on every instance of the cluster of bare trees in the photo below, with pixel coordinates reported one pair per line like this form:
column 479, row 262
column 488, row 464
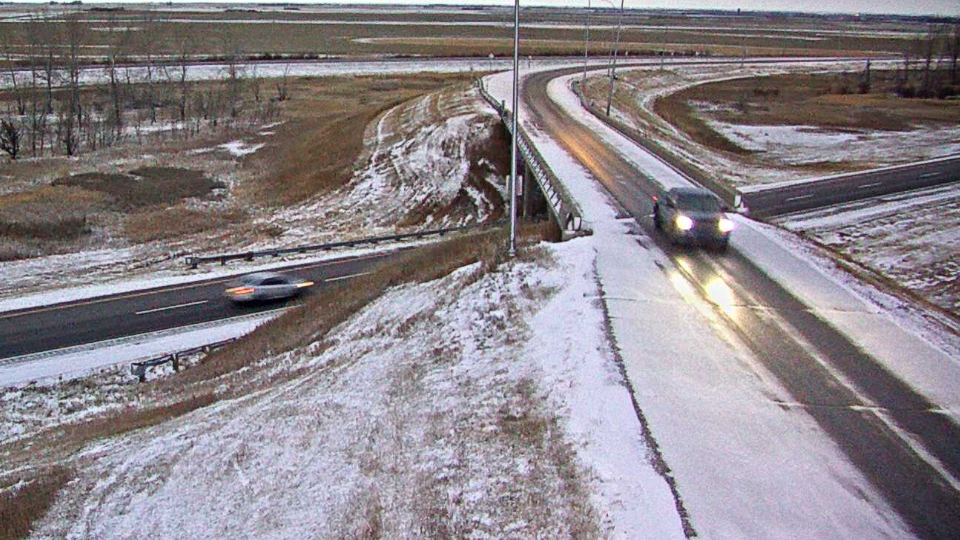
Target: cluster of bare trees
column 930, row 64
column 62, row 102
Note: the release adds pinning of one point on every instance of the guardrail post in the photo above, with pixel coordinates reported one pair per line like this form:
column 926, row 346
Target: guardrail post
column 140, row 371
column 176, row 362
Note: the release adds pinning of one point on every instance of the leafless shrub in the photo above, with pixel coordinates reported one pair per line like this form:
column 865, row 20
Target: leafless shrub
column 10, row 137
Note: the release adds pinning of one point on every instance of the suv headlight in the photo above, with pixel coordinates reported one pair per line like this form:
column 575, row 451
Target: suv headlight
column 684, row 223
column 725, row 225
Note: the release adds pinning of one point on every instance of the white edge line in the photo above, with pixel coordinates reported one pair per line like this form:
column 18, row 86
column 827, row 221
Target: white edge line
column 146, row 311
column 347, row 277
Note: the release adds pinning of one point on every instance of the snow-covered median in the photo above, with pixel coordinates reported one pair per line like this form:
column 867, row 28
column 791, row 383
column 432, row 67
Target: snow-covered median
column 486, row 404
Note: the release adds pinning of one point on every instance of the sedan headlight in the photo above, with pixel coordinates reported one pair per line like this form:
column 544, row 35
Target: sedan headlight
column 725, row 225
column 684, row 223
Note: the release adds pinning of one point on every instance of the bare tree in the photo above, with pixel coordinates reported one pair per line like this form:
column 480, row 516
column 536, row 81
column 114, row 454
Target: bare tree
column 183, row 46
column 8, row 59
column 233, row 72
column 117, row 51
column 283, row 88
column 72, row 61
column 255, row 84
column 929, row 49
column 10, row 136
column 953, row 50
column 67, row 126
column 147, row 47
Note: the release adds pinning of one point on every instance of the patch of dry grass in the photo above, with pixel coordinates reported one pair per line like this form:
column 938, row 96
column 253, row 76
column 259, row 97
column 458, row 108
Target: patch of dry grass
column 681, row 115
column 176, row 222
column 827, row 101
column 318, row 147
column 28, row 500
column 145, row 187
column 50, row 213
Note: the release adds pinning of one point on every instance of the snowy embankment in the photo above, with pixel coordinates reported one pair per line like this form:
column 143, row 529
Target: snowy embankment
column 423, row 167
column 779, row 153
column 486, row 404
column 744, row 466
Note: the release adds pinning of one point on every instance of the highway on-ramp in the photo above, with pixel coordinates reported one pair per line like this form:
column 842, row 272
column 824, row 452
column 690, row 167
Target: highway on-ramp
column 769, row 320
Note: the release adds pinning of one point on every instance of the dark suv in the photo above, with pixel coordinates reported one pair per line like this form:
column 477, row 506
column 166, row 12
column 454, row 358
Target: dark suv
column 692, row 215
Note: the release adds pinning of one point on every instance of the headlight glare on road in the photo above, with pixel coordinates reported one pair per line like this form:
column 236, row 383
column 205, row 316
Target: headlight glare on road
column 684, row 223
column 725, row 225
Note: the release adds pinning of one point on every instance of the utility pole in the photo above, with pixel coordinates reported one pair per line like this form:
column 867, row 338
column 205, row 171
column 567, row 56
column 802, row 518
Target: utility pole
column 613, row 65
column 586, row 45
column 516, row 116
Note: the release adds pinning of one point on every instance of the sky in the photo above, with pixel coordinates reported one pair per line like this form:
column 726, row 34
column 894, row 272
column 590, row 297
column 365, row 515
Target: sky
column 913, row 7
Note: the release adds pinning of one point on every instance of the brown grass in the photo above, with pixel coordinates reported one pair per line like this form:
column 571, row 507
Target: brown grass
column 824, row 101
column 174, row 222
column 318, row 147
column 680, row 114
column 145, row 187
column 20, row 507
column 56, row 213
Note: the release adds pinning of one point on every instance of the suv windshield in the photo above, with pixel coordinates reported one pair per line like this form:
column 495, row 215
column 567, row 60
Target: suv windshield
column 698, row 203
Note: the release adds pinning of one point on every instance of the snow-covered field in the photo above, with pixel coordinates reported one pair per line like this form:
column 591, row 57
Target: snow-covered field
column 500, row 404
column 911, row 238
column 779, row 149
column 462, row 406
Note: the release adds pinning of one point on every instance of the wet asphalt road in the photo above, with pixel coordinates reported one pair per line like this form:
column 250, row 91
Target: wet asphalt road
column 767, row 317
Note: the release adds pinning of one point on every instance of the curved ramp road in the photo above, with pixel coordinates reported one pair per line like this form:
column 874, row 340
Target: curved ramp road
column 83, row 322
column 807, row 355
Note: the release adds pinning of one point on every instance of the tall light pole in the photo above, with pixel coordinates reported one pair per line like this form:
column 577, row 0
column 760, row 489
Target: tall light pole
column 586, row 45
column 613, row 65
column 516, row 116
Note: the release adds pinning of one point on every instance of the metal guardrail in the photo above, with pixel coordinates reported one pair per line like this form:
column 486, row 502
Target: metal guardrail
column 139, row 369
column 563, row 206
column 194, row 261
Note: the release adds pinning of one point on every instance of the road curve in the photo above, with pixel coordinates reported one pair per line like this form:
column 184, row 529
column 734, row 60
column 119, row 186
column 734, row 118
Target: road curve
column 767, row 317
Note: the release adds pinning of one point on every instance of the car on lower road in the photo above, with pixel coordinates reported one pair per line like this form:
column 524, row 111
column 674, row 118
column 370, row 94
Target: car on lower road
column 692, row 215
column 264, row 286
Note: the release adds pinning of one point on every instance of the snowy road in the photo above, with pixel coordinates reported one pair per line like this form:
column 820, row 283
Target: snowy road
column 895, row 437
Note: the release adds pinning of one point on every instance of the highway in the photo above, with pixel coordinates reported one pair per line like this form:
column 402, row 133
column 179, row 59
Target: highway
column 768, row 318
column 94, row 320
column 800, row 196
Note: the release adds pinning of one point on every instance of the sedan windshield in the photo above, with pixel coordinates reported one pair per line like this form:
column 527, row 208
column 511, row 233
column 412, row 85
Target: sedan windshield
column 698, row 203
